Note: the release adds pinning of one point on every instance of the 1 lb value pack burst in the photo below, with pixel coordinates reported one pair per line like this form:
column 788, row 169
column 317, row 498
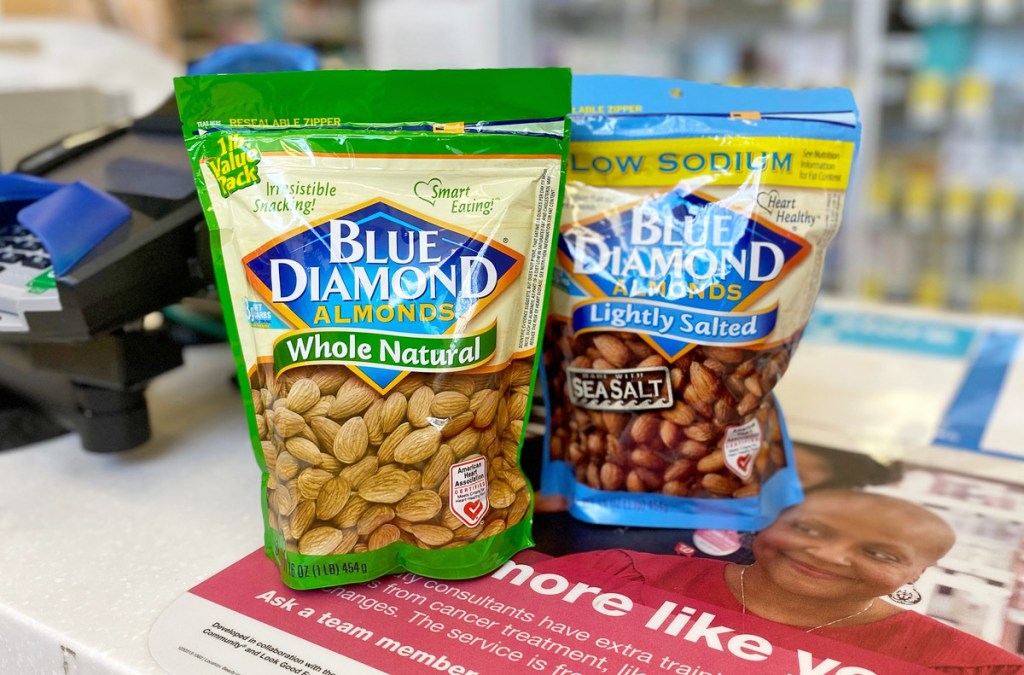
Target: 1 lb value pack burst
column 692, row 241
column 382, row 243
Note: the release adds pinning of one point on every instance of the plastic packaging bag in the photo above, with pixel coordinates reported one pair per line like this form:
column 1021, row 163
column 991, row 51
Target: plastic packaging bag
column 382, row 242
column 692, row 242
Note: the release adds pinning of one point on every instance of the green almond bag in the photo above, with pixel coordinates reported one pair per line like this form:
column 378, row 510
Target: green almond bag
column 382, row 243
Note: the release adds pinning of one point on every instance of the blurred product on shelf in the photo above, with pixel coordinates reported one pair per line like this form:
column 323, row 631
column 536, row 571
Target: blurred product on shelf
column 153, row 22
column 939, row 84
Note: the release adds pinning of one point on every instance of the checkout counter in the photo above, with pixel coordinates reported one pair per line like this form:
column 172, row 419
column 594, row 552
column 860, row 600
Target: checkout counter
column 97, row 546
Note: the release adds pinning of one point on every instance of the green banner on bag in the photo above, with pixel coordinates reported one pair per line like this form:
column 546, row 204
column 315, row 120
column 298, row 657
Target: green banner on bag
column 388, row 350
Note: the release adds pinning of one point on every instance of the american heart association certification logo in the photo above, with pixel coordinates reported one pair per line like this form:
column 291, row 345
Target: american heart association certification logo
column 741, row 445
column 467, row 494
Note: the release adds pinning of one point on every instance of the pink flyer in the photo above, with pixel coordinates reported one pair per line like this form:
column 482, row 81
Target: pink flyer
column 534, row 614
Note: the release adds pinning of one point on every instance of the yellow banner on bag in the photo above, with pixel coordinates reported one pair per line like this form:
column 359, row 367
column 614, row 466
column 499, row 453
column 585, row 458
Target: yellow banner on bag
column 790, row 162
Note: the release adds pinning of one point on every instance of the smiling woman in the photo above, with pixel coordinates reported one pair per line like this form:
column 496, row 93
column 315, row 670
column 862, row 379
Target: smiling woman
column 828, row 560
column 823, row 567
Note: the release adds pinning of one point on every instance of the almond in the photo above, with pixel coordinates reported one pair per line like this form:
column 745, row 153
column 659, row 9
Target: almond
column 647, row 458
column 288, row 423
column 500, row 495
column 676, row 378
column 322, row 407
column 310, row 481
column 514, row 478
column 611, row 477
column 419, row 506
column 302, row 395
column 287, row 467
column 518, row 406
column 652, row 361
column 352, row 440
column 350, row 514
column 462, row 384
column 332, row 498
column 385, row 488
column 496, row 526
column 353, row 397
column 669, row 432
column 701, row 431
column 330, row 463
column 360, row 471
column 680, row 413
column 651, row 478
column 415, row 480
column 418, row 446
column 449, row 404
column 347, row 544
column 325, row 430
column 519, row 507
column 612, row 349
column 302, row 517
column 374, row 418
column 257, row 401
column 692, row 449
column 753, row 385
column 283, row 501
column 711, row 463
column 320, row 541
column 704, row 382
column 383, row 536
column 270, row 453
column 329, row 379
column 748, row 405
column 386, row 451
column 520, row 373
column 645, row 428
column 679, row 470
column 303, row 449
column 458, row 424
column 719, row 484
column 484, row 404
column 393, row 412
column 410, row 383
column 436, row 469
column 432, row 535
column 715, row 366
column 748, row 490
column 700, row 405
column 373, row 517
column 725, row 354
column 675, row 488
column 639, row 348
column 418, row 409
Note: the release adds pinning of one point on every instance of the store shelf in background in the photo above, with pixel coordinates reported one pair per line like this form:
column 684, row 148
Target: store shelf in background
column 330, row 26
column 939, row 84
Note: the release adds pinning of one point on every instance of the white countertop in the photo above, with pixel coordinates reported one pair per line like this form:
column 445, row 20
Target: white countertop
column 95, row 546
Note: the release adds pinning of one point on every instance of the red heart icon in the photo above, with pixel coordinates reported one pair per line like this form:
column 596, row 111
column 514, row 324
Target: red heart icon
column 473, row 508
column 743, row 462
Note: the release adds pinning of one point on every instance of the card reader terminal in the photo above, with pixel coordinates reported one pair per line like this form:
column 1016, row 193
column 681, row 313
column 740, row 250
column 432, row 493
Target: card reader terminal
column 96, row 232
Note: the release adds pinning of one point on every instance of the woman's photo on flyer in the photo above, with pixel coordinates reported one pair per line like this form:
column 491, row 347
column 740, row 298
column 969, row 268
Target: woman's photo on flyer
column 842, row 565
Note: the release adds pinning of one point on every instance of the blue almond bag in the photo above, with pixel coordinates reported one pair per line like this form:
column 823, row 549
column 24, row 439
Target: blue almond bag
column 692, row 241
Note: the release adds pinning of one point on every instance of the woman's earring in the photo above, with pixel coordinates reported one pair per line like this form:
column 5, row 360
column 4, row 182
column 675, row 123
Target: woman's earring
column 906, row 594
